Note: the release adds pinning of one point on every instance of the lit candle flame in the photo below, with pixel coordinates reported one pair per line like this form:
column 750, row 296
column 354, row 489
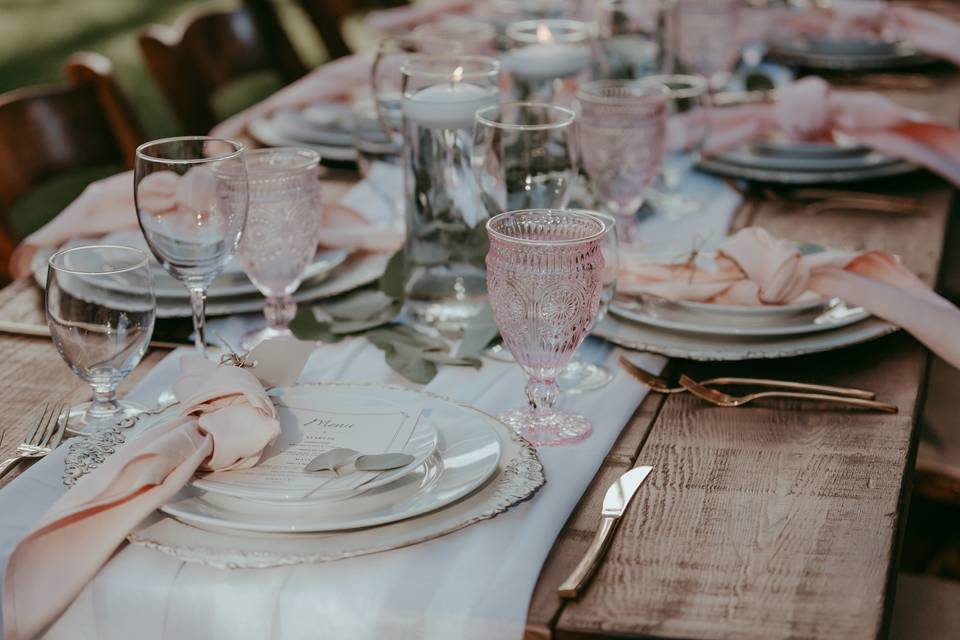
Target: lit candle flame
column 544, row 34
column 457, row 75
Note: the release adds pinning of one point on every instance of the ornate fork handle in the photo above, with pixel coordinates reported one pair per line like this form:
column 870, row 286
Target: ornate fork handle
column 853, row 402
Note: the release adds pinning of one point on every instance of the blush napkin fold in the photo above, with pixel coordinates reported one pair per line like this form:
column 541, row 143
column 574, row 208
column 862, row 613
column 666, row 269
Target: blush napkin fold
column 809, row 110
column 754, row 268
column 226, row 422
column 870, row 20
column 108, row 205
column 409, row 16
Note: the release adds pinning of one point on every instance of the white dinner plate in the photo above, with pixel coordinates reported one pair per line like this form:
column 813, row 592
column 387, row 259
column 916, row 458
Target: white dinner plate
column 836, row 315
column 422, row 443
column 846, row 55
column 717, row 165
column 731, row 314
column 266, row 132
column 467, row 454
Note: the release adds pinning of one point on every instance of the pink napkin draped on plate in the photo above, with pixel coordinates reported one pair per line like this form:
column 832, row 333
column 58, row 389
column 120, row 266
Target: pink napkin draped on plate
column 332, row 81
column 871, row 20
column 108, row 205
column 225, row 423
column 754, row 268
column 808, row 110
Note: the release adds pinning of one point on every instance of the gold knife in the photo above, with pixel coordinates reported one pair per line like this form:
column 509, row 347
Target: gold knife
column 615, row 503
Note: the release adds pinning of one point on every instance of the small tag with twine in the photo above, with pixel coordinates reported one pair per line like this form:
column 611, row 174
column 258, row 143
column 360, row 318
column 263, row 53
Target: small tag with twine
column 277, row 362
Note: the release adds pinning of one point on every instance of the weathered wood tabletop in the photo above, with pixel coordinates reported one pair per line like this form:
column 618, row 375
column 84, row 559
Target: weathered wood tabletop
column 776, row 520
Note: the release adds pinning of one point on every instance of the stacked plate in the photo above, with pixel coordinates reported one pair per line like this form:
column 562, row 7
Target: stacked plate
column 805, row 163
column 455, row 451
column 847, row 55
column 331, row 272
column 326, row 128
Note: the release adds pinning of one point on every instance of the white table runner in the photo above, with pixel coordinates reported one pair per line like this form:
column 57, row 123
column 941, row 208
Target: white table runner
column 474, row 583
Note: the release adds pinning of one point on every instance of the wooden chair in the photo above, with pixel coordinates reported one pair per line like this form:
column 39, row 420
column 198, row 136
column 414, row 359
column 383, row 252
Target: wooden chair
column 203, row 52
column 328, row 16
column 46, row 131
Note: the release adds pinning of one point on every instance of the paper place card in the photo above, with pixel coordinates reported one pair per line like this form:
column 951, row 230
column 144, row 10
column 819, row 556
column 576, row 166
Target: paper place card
column 306, row 432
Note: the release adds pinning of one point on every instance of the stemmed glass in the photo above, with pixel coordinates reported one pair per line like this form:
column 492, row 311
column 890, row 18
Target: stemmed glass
column 687, row 130
column 524, row 156
column 637, row 37
column 623, row 130
column 283, row 227
column 580, row 375
column 191, row 196
column 100, row 309
column 708, row 38
column 545, row 276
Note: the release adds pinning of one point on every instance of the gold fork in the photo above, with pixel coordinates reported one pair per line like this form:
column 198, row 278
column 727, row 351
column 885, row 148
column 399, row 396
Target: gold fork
column 660, row 385
column 42, row 439
column 722, row 399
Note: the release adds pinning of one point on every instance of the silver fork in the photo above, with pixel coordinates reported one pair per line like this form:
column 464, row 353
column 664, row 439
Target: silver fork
column 42, row 439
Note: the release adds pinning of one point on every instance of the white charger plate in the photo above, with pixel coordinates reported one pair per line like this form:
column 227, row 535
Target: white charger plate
column 267, row 132
column 422, row 443
column 835, row 316
column 467, row 454
column 847, row 55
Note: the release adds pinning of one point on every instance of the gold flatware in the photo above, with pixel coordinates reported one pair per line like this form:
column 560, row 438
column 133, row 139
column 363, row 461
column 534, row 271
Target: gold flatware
column 722, row 399
column 615, row 503
column 834, row 199
column 42, row 439
column 658, row 384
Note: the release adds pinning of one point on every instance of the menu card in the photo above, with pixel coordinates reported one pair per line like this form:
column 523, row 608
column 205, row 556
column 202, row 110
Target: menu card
column 307, row 431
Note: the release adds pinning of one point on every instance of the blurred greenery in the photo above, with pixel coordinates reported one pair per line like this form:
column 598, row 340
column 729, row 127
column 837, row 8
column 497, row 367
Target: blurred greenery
column 37, row 36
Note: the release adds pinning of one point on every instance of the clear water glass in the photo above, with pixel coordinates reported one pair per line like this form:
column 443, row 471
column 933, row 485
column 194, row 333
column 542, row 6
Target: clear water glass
column 708, row 38
column 547, row 59
column 545, row 276
column 101, row 308
column 687, row 130
column 191, row 196
column 524, row 156
column 283, row 228
column 637, row 37
column 623, row 131
column 580, row 375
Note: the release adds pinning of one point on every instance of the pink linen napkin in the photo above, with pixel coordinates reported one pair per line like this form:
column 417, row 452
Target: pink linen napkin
column 226, row 421
column 754, row 268
column 332, row 81
column 108, row 205
column 808, row 110
column 409, row 16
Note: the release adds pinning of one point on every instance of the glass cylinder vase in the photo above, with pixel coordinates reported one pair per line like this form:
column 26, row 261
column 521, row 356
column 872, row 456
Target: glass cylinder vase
column 445, row 280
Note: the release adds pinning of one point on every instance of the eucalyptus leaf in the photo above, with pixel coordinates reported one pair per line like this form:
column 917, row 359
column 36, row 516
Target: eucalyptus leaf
column 479, row 333
column 305, row 326
column 808, row 248
column 391, row 282
column 361, row 305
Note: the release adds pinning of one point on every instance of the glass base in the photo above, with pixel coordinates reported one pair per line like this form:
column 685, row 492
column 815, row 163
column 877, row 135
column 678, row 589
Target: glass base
column 674, row 206
column 253, row 338
column 547, row 431
column 579, row 376
column 78, row 419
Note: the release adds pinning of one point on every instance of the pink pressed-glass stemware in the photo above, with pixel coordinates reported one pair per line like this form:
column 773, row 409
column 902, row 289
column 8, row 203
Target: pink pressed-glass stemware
column 623, row 131
column 544, row 277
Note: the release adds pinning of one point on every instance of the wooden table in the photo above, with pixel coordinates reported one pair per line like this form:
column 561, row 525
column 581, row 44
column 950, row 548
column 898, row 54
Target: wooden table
column 772, row 521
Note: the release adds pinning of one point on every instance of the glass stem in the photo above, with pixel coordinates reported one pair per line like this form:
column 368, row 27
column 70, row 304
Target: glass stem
column 541, row 396
column 279, row 312
column 198, row 299
column 104, row 404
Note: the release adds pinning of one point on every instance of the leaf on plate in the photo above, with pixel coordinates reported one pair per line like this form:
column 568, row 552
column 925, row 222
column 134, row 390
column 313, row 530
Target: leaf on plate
column 414, row 355
column 364, row 304
column 391, row 282
column 807, row 248
column 306, row 326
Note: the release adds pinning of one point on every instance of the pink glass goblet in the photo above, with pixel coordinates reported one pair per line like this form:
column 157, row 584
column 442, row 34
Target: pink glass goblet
column 623, row 132
column 544, row 277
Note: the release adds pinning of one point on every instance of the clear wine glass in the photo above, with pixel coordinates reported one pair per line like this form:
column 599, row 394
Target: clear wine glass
column 579, row 375
column 636, row 37
column 283, row 228
column 100, row 309
column 687, row 130
column 545, row 276
column 623, row 130
column 708, row 38
column 191, row 195
column 524, row 156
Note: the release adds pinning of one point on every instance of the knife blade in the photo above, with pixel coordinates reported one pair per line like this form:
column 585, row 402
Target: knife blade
column 615, row 503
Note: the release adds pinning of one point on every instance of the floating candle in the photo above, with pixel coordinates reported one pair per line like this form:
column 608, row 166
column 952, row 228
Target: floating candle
column 549, row 59
column 448, row 106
